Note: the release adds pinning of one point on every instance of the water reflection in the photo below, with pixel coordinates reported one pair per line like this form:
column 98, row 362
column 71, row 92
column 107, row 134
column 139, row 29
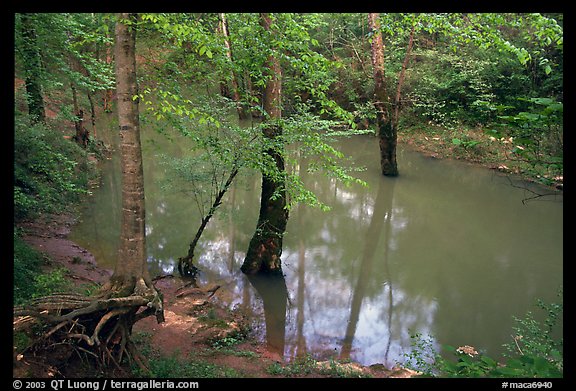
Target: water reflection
column 445, row 249
column 381, row 218
column 272, row 289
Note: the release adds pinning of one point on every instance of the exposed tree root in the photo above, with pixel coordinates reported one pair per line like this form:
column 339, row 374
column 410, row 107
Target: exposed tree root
column 96, row 328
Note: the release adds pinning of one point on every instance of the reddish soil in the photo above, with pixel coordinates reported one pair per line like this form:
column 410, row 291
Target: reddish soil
column 193, row 319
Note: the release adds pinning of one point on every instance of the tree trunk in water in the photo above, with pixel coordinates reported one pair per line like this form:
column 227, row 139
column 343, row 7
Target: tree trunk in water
column 386, row 128
column 265, row 248
column 185, row 264
column 33, row 70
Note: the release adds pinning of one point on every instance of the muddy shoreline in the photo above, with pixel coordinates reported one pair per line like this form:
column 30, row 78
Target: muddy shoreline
column 189, row 329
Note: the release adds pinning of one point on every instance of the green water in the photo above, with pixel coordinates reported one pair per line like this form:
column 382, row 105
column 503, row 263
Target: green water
column 445, row 249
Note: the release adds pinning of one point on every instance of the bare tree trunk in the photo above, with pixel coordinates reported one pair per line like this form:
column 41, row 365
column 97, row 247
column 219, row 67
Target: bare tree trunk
column 265, row 248
column 82, row 135
column 33, row 69
column 386, row 130
column 131, row 265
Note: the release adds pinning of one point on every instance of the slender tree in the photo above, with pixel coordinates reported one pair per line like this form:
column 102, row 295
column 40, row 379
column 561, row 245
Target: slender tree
column 131, row 268
column 265, row 248
column 235, row 93
column 33, row 68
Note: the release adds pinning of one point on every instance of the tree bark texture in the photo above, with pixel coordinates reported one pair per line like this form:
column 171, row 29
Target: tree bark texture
column 265, row 248
column 33, row 68
column 131, row 265
column 387, row 132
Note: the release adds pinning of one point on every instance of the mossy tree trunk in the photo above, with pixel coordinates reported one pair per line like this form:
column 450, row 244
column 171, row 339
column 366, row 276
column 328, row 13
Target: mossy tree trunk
column 265, row 248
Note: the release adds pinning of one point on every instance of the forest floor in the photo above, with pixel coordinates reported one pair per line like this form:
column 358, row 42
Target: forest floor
column 199, row 338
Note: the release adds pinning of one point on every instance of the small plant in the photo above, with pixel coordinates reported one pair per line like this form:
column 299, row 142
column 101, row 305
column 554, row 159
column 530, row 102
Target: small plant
column 234, row 338
column 176, row 367
column 533, row 353
column 466, row 144
column 46, row 284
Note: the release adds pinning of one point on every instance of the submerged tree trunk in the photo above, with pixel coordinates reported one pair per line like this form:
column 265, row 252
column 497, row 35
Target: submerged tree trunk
column 186, row 267
column 33, row 69
column 387, row 132
column 265, row 248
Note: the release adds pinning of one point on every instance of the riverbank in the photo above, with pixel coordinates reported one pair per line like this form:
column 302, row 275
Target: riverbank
column 481, row 149
column 198, row 336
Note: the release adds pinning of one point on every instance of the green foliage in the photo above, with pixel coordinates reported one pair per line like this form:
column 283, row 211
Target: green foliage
column 535, row 353
column 176, row 367
column 27, row 263
column 67, row 43
column 300, row 366
column 537, row 339
column 538, row 134
column 29, row 281
column 307, row 365
column 233, row 338
column 49, row 171
column 52, row 282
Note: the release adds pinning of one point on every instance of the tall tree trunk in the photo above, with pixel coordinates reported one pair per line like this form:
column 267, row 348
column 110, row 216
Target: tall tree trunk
column 33, row 67
column 265, row 248
column 401, row 77
column 387, row 132
column 92, row 113
column 131, row 265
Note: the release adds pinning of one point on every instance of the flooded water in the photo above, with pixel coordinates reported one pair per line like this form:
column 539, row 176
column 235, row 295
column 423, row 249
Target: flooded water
column 446, row 249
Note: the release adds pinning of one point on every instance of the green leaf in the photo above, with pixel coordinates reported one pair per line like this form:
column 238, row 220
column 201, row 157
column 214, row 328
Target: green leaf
column 489, row 361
